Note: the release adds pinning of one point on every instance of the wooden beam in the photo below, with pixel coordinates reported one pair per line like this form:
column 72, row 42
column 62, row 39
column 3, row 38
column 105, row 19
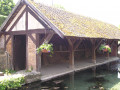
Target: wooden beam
column 38, row 57
column 70, row 42
column 40, row 31
column 93, row 51
column 17, row 20
column 98, row 44
column 27, row 52
column 26, row 19
column 71, row 54
column 111, row 42
column 77, row 45
column 4, row 42
column 48, row 38
column 32, row 38
column 8, row 40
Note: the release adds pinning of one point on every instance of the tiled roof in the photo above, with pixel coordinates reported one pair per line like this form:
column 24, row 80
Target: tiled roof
column 76, row 25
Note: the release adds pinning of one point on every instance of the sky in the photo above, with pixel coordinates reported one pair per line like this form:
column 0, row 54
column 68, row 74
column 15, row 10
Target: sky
column 103, row 10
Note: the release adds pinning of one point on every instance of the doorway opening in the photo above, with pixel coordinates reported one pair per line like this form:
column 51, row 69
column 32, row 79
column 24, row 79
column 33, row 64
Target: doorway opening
column 19, row 52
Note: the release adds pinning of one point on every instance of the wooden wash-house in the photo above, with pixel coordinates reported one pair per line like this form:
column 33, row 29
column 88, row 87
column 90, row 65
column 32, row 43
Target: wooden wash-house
column 76, row 39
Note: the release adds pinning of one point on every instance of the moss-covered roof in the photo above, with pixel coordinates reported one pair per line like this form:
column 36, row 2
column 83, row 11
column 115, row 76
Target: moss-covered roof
column 76, row 25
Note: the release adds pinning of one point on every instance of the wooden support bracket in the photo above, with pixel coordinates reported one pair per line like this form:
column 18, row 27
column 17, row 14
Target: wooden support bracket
column 98, row 44
column 32, row 38
column 77, row 45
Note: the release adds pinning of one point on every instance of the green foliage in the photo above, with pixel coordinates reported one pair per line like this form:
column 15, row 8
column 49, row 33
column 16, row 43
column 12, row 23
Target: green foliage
column 12, row 83
column 105, row 47
column 6, row 6
column 2, row 18
column 30, row 70
column 46, row 46
column 8, row 72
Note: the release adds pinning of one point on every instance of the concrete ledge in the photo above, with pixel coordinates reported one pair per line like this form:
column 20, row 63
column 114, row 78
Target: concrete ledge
column 29, row 76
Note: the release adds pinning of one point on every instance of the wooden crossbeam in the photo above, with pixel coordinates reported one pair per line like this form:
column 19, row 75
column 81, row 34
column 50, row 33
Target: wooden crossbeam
column 70, row 42
column 17, row 20
column 111, row 42
column 77, row 45
column 8, row 39
column 98, row 44
column 26, row 19
column 32, row 38
column 48, row 38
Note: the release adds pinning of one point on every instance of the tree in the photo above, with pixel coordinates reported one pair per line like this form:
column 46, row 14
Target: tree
column 2, row 18
column 6, row 7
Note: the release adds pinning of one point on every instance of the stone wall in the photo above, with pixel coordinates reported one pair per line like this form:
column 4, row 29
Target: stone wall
column 3, row 62
column 2, row 41
column 31, row 51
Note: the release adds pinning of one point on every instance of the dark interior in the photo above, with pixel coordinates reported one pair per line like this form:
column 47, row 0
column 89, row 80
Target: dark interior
column 19, row 52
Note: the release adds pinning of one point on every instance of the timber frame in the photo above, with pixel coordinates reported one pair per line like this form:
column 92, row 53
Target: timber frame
column 48, row 34
column 28, row 32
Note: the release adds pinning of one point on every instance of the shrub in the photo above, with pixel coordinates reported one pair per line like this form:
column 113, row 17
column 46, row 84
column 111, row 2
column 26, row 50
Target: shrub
column 11, row 83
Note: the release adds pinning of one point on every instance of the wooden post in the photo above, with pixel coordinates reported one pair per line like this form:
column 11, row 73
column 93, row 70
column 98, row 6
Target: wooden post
column 93, row 55
column 46, row 40
column 94, row 47
column 93, row 51
column 72, row 58
column 38, row 56
column 71, row 53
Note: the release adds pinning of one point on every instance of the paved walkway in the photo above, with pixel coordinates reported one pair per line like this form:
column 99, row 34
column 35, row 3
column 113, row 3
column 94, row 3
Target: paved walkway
column 56, row 70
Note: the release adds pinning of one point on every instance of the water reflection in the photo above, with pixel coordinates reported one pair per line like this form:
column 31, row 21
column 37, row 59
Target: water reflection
column 101, row 79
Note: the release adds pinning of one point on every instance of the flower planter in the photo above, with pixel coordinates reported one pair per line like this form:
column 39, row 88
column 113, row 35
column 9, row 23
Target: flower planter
column 45, row 51
column 105, row 48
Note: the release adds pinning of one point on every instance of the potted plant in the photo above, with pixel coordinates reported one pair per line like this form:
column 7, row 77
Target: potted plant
column 105, row 48
column 45, row 48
